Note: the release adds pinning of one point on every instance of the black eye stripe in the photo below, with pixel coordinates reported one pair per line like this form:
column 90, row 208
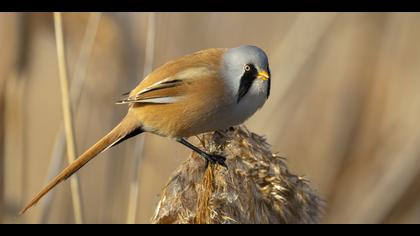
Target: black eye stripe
column 246, row 81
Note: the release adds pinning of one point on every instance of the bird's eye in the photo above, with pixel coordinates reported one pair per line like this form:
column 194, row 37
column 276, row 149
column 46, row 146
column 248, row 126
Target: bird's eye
column 247, row 68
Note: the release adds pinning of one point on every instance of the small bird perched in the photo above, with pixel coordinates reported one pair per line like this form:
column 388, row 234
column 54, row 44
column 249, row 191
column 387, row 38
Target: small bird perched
column 209, row 90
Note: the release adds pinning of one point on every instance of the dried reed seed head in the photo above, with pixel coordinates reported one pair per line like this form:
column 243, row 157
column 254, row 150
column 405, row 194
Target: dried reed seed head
column 257, row 187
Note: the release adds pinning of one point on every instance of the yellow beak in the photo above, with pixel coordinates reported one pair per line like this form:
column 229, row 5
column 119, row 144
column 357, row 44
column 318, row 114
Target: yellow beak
column 263, row 75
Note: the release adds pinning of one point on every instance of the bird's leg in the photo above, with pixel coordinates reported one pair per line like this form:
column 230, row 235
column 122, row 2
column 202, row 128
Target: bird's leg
column 213, row 158
column 221, row 132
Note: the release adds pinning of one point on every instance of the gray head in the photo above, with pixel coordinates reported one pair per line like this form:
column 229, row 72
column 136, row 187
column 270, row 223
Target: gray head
column 246, row 67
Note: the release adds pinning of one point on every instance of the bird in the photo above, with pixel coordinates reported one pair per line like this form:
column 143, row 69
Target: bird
column 209, row 90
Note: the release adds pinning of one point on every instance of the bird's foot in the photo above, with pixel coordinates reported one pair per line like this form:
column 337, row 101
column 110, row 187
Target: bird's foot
column 221, row 132
column 215, row 159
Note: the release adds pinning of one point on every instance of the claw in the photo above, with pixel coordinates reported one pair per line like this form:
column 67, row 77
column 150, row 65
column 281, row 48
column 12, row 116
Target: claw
column 223, row 164
column 219, row 160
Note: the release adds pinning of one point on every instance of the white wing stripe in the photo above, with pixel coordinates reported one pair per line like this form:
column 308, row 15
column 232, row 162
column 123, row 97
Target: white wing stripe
column 153, row 86
column 161, row 100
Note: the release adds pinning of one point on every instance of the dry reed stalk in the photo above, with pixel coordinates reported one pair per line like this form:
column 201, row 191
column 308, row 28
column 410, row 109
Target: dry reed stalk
column 203, row 208
column 2, row 134
column 76, row 88
column 257, row 187
column 67, row 115
column 139, row 144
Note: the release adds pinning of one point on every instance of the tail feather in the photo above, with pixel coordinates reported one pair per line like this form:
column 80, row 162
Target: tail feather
column 127, row 128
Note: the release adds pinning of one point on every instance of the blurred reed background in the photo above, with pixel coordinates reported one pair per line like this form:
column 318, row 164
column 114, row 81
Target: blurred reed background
column 344, row 108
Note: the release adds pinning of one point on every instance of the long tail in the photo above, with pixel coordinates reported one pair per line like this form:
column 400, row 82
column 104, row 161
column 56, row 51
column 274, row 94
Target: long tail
column 127, row 128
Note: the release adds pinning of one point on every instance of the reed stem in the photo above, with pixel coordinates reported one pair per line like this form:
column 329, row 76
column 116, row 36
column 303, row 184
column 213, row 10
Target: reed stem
column 67, row 115
column 139, row 145
column 76, row 88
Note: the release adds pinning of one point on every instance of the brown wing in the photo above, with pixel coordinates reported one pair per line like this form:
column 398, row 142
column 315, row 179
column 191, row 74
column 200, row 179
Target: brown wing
column 166, row 83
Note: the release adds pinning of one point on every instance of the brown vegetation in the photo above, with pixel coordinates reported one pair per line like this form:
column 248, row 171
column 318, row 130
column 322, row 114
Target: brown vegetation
column 257, row 187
